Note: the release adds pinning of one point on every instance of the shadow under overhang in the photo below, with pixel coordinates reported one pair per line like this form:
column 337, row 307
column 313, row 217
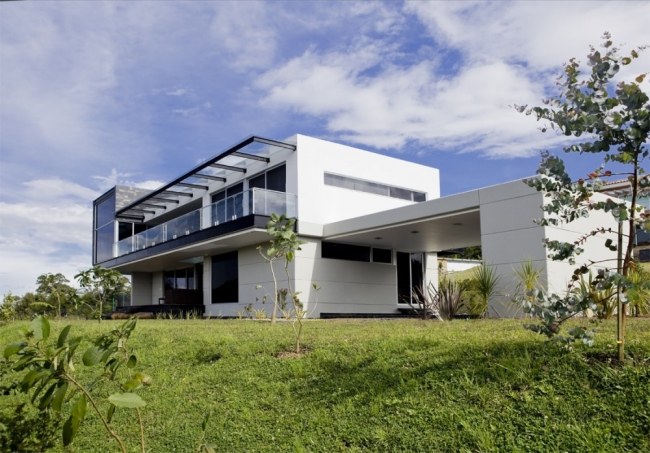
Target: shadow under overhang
column 431, row 226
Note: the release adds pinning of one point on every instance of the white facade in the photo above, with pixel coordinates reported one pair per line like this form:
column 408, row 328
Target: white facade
column 383, row 216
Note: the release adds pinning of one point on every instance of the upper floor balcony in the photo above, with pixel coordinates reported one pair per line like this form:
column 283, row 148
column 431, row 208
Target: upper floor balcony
column 254, row 201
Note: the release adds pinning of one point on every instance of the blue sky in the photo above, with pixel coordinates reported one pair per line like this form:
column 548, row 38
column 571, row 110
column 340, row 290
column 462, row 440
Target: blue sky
column 98, row 93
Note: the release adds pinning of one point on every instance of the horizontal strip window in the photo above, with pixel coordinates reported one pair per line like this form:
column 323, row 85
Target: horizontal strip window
column 350, row 252
column 360, row 185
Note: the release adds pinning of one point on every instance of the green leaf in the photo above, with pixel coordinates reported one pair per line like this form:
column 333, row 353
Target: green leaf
column 70, row 428
column 59, row 396
column 41, row 328
column 79, row 409
column 128, row 400
column 92, row 356
column 63, row 336
column 132, row 362
column 33, row 377
column 47, row 397
column 13, row 348
column 110, row 413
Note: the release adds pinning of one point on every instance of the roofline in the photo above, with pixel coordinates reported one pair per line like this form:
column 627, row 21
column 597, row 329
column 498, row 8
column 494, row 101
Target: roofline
column 227, row 152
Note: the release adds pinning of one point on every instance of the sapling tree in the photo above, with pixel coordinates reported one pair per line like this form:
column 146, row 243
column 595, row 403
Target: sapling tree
column 50, row 379
column 282, row 247
column 103, row 285
column 611, row 118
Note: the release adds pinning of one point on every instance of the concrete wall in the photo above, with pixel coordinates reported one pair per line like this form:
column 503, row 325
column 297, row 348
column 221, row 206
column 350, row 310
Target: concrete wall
column 319, row 204
column 141, row 288
column 509, row 236
column 594, row 246
column 345, row 286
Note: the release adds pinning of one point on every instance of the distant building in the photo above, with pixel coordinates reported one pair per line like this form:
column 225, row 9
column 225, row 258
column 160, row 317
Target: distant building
column 622, row 188
column 371, row 226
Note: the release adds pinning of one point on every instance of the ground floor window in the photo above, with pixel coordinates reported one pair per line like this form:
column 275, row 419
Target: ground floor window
column 225, row 278
column 180, row 279
column 410, row 276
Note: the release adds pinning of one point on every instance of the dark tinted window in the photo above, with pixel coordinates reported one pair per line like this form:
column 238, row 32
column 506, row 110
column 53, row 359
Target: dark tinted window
column 276, row 179
column 347, row 252
column 403, row 194
column 644, row 256
column 258, row 182
column 125, row 230
column 417, row 271
column 403, row 277
column 360, row 185
column 382, row 256
column 225, row 281
column 642, row 237
column 233, row 190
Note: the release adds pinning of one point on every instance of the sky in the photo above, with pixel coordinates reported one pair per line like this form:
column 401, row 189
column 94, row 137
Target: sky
column 94, row 94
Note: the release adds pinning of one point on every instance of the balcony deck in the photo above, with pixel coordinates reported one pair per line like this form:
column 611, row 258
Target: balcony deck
column 249, row 210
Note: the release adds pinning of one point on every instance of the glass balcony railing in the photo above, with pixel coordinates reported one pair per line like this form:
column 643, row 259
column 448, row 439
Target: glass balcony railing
column 253, row 201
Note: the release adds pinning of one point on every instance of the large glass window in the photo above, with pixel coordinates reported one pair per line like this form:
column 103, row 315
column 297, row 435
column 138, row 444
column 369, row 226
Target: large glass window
column 104, row 238
column 361, row 185
column 225, row 278
column 273, row 179
column 104, row 224
column 180, row 279
column 105, row 211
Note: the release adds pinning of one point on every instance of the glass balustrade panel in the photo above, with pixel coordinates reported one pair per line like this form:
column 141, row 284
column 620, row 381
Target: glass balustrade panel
column 254, row 201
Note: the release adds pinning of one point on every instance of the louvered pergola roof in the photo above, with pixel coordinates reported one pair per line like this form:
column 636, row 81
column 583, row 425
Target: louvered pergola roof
column 231, row 162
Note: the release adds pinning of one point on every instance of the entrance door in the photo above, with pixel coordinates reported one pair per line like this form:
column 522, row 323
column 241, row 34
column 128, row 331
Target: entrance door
column 410, row 275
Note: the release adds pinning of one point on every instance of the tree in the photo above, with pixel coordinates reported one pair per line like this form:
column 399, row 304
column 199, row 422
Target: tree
column 282, row 247
column 613, row 120
column 55, row 290
column 103, row 285
column 8, row 307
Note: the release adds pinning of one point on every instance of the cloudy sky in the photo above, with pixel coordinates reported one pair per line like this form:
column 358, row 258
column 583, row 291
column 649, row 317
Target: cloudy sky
column 93, row 94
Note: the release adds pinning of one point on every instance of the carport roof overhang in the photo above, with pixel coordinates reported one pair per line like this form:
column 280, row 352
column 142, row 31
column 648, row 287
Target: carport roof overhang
column 431, row 226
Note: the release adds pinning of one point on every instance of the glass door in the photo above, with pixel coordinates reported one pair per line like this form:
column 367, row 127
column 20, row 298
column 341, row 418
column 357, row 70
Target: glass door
column 410, row 276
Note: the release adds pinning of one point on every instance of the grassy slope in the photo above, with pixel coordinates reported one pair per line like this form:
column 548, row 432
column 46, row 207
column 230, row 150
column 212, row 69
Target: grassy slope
column 372, row 385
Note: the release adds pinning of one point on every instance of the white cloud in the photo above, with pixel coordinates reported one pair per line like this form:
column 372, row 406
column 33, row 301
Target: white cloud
column 48, row 230
column 542, row 34
column 244, row 31
column 177, row 92
column 470, row 111
column 510, row 53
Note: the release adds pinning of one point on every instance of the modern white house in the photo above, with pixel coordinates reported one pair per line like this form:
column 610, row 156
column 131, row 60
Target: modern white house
column 371, row 227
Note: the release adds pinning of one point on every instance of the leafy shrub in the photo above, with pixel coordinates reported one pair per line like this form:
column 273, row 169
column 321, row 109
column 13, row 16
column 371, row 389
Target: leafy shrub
column 49, row 375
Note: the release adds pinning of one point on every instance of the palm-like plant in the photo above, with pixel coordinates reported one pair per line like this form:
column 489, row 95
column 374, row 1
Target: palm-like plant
column 638, row 295
column 486, row 282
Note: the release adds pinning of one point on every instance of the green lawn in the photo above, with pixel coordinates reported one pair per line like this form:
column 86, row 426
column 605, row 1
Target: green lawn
column 372, row 385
